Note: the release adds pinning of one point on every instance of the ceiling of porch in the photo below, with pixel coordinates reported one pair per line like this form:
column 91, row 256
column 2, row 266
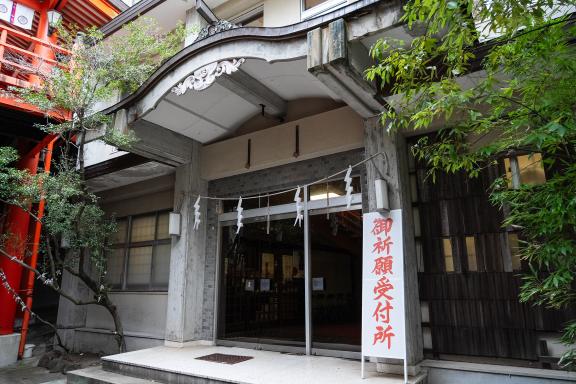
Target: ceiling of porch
column 217, row 111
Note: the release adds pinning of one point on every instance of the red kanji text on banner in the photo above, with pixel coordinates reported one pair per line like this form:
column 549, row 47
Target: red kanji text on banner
column 383, row 314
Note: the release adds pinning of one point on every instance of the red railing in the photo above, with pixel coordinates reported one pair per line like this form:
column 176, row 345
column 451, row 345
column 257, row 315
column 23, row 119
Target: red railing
column 18, row 64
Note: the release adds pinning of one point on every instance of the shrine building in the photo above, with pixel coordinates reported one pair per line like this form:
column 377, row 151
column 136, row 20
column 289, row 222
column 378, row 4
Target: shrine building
column 268, row 97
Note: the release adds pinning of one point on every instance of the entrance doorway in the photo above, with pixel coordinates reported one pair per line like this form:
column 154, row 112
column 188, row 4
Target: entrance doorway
column 293, row 288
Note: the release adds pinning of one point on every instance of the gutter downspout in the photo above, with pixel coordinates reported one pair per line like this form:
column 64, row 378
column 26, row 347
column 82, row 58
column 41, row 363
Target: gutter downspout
column 34, row 257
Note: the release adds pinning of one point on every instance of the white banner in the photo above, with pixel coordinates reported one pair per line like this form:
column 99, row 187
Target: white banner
column 383, row 315
column 6, row 10
column 23, row 16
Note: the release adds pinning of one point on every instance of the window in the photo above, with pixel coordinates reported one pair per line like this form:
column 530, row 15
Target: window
column 318, row 192
column 313, row 3
column 525, row 169
column 471, row 253
column 448, row 257
column 262, row 270
column 140, row 255
column 312, row 8
column 514, row 247
column 522, row 170
column 251, row 18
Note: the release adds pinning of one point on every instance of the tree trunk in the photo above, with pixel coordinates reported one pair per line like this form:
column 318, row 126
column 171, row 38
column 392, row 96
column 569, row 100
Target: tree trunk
column 119, row 330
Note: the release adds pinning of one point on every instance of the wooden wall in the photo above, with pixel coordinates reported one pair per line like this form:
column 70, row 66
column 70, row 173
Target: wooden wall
column 473, row 311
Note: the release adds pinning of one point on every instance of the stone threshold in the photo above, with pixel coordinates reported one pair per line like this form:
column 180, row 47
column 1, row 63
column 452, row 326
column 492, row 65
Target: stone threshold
column 180, row 366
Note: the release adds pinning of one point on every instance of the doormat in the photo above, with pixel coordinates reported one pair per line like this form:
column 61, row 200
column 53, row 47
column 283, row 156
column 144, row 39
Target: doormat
column 224, row 359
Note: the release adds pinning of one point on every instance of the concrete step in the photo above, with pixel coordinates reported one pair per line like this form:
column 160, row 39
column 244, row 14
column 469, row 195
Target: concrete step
column 421, row 378
column 96, row 375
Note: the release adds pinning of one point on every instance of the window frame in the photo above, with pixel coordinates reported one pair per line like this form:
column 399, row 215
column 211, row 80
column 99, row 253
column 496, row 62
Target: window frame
column 128, row 244
column 248, row 16
column 320, row 8
column 321, row 206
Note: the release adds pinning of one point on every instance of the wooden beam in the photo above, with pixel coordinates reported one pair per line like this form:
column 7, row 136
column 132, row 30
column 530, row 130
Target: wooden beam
column 12, row 103
column 205, row 11
column 254, row 92
column 113, row 165
column 104, row 7
column 60, row 4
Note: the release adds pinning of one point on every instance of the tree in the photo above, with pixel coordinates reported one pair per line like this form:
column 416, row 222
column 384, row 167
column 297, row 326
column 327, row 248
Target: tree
column 523, row 102
column 93, row 70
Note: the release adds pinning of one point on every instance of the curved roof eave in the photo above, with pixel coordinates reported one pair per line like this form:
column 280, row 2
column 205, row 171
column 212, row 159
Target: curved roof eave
column 242, row 34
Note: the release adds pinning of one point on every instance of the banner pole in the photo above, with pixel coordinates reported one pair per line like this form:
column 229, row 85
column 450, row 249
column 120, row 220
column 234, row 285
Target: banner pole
column 362, row 368
column 405, row 370
column 405, row 347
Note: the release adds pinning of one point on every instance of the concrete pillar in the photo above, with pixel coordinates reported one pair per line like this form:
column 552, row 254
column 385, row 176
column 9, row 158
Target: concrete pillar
column 9, row 349
column 194, row 24
column 393, row 167
column 186, row 287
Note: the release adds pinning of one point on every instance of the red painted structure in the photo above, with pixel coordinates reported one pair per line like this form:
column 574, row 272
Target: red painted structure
column 35, row 46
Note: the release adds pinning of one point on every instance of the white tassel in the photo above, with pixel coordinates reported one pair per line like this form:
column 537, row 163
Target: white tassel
column 349, row 188
column 299, row 215
column 239, row 209
column 197, row 214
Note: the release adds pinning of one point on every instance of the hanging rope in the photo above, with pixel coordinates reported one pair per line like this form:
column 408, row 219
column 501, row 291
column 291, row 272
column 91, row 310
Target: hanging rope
column 324, row 179
column 297, row 198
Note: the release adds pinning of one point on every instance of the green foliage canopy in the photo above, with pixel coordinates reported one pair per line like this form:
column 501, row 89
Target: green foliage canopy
column 97, row 70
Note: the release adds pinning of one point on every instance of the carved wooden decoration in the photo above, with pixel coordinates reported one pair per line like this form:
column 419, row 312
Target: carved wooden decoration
column 217, row 27
column 204, row 77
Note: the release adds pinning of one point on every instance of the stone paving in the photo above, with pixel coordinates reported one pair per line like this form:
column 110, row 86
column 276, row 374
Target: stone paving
column 26, row 372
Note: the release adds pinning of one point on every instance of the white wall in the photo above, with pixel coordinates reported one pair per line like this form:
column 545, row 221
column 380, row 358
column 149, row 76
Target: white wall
column 142, row 314
column 98, row 151
column 279, row 13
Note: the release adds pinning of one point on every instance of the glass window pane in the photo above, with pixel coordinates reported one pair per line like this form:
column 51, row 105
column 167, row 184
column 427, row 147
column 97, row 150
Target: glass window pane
column 508, row 167
column 420, row 256
column 417, row 227
column 531, row 169
column 411, row 160
column 448, row 257
column 262, row 202
column 262, row 284
column 120, row 235
column 312, row 3
column 514, row 246
column 139, row 264
column 161, row 270
column 143, row 228
column 471, row 252
column 333, row 189
column 336, row 269
column 115, row 267
column 256, row 21
column 414, row 188
column 163, row 219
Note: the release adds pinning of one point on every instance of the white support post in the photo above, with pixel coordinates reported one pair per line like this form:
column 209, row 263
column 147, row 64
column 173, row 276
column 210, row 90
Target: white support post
column 307, row 277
